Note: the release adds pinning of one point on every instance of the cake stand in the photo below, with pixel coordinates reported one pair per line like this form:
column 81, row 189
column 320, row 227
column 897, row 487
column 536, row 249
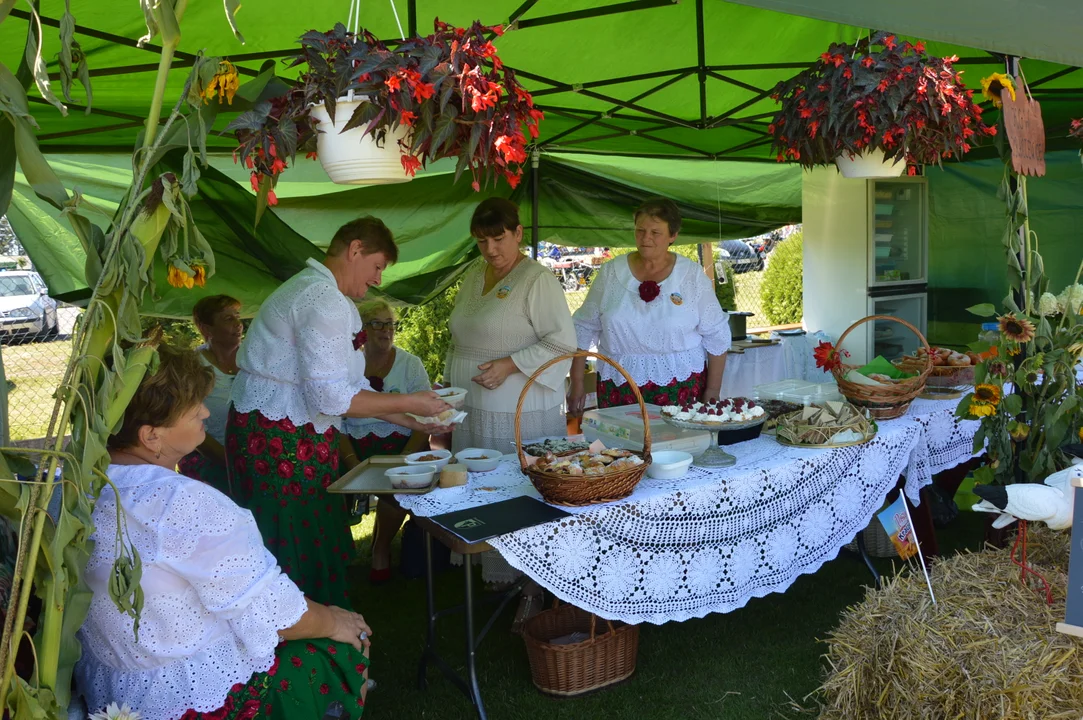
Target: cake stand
column 714, row 456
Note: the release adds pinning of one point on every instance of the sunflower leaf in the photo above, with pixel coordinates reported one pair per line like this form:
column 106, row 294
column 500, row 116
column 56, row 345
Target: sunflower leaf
column 982, row 310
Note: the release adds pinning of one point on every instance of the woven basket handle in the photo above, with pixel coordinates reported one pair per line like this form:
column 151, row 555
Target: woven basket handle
column 593, row 619
column 568, row 356
column 928, row 350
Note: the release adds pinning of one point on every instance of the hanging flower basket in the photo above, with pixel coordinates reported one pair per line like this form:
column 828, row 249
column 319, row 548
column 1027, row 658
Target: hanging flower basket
column 878, row 94
column 869, row 164
column 444, row 95
column 354, row 157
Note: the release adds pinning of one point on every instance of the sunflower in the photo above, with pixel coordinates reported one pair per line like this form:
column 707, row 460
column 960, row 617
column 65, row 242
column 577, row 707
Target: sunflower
column 997, row 368
column 1018, row 431
column 1080, row 434
column 1018, row 330
column 178, row 278
column 200, row 277
column 224, row 84
column 986, row 394
column 979, row 409
column 992, row 86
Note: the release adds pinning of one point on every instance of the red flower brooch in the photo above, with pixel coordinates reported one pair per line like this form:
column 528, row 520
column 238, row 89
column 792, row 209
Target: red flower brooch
column 359, row 339
column 649, row 290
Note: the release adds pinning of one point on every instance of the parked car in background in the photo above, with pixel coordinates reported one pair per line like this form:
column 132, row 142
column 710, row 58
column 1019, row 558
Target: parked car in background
column 26, row 310
column 739, row 256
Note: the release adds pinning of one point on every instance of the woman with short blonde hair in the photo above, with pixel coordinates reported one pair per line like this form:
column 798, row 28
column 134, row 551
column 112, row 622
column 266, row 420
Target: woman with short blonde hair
column 388, row 369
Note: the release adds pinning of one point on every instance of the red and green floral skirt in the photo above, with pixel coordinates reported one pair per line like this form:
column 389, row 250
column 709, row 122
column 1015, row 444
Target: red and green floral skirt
column 198, row 466
column 675, row 393
column 372, row 444
column 280, row 472
column 307, row 676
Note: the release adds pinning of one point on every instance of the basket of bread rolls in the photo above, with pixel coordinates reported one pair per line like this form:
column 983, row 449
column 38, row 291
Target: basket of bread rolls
column 585, row 477
column 950, row 369
column 885, row 398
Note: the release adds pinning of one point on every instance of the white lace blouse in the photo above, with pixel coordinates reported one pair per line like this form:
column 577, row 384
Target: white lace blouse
column 298, row 359
column 407, row 375
column 658, row 341
column 215, row 598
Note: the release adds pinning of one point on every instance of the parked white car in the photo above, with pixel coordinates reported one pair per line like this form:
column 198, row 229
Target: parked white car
column 26, row 309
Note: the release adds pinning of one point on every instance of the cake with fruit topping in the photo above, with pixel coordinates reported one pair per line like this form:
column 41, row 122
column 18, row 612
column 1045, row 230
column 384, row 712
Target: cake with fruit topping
column 720, row 412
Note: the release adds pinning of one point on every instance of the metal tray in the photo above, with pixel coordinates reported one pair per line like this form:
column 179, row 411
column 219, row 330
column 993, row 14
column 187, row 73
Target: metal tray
column 368, row 478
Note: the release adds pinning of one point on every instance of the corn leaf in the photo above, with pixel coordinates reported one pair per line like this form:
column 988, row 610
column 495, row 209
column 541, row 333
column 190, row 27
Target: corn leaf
column 147, row 6
column 232, row 6
column 5, row 8
column 36, row 63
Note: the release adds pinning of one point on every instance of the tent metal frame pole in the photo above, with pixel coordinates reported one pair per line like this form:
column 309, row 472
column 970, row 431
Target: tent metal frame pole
column 94, row 111
column 594, row 12
column 701, row 54
column 120, row 40
column 535, row 201
column 578, row 89
column 91, row 131
column 622, row 79
column 411, row 18
column 590, row 121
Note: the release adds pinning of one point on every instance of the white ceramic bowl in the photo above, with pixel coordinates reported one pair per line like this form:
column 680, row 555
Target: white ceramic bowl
column 419, row 458
column 478, row 460
column 669, row 464
column 410, row 477
column 453, row 396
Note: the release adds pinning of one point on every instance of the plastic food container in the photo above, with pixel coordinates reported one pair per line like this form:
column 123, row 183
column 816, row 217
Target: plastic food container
column 622, row 427
column 799, row 392
column 425, row 457
column 410, row 477
column 668, row 464
column 478, row 460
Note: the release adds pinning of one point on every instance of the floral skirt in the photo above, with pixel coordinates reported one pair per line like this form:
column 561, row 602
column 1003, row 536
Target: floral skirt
column 307, row 676
column 677, row 392
column 200, row 467
column 372, row 444
column 280, row 472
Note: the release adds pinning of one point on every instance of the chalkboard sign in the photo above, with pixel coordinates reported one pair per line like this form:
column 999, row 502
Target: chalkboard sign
column 1073, row 615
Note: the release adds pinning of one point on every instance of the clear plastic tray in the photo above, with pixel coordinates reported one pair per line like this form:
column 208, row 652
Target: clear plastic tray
column 799, row 392
column 623, row 427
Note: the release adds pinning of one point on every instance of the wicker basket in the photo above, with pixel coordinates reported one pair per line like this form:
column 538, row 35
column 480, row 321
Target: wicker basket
column 578, row 490
column 941, row 376
column 577, row 668
column 883, row 401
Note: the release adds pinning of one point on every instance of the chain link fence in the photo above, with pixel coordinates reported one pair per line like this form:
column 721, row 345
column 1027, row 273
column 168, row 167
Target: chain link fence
column 34, row 360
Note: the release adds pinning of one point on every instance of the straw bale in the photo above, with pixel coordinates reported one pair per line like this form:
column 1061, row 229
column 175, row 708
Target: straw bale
column 988, row 650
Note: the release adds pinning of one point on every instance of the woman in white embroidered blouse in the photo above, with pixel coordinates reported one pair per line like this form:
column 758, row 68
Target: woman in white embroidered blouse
column 656, row 314
column 510, row 317
column 389, row 369
column 218, row 319
column 301, row 372
column 222, row 631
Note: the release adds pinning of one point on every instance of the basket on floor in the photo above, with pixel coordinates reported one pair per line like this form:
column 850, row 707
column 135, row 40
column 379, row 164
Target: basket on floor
column 577, row 490
column 576, row 668
column 884, row 401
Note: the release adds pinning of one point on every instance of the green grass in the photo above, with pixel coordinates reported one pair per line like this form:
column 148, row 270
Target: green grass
column 36, row 368
column 748, row 664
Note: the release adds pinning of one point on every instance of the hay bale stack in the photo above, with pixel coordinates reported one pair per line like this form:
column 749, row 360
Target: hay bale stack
column 989, row 650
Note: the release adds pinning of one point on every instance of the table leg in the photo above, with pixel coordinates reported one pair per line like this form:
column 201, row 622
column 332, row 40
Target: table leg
column 430, row 632
column 868, row 561
column 471, row 668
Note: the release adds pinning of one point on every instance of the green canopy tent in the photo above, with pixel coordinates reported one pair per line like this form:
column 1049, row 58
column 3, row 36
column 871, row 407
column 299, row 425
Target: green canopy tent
column 641, row 98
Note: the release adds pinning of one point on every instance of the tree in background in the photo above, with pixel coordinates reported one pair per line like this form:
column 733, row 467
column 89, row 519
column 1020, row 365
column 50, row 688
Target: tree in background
column 782, row 292
column 425, row 332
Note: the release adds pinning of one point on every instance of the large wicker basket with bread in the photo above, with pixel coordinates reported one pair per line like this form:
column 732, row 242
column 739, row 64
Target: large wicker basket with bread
column 615, row 481
column 886, row 400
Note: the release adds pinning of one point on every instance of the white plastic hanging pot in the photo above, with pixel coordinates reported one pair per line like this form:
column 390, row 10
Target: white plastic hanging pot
column 353, row 157
column 869, row 164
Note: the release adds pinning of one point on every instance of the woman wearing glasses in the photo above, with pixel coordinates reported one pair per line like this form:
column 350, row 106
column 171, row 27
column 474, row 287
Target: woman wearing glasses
column 388, row 369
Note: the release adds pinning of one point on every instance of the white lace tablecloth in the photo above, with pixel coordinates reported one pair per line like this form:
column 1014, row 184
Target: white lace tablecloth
column 713, row 539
